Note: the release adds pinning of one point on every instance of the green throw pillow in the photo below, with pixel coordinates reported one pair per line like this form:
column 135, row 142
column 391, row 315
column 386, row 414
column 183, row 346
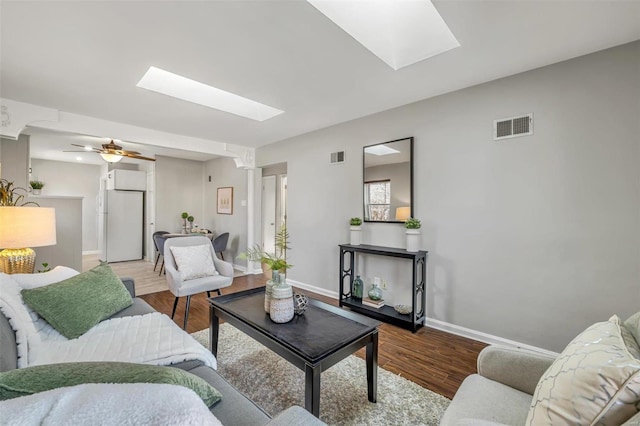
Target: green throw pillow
column 78, row 303
column 30, row 380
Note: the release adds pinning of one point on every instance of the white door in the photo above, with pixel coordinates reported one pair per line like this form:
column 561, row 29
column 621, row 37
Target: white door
column 269, row 214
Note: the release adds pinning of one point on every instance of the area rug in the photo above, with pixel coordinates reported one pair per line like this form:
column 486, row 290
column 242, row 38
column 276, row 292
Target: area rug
column 274, row 384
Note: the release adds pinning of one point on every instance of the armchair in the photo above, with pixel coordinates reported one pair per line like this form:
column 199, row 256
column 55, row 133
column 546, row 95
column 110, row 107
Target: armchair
column 595, row 380
column 181, row 287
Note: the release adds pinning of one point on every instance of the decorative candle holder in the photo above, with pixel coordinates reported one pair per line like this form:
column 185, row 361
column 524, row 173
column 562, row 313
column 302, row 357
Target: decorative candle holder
column 281, row 308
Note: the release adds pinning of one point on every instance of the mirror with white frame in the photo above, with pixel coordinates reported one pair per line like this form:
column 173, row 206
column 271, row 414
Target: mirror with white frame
column 388, row 181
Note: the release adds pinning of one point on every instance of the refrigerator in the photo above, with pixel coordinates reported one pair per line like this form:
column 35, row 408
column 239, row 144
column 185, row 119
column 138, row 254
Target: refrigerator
column 122, row 223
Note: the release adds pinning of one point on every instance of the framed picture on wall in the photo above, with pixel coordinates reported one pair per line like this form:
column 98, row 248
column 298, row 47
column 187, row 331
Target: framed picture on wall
column 225, row 200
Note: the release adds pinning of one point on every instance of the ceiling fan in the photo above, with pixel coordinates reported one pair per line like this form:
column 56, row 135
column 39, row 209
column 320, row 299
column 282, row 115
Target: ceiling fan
column 112, row 153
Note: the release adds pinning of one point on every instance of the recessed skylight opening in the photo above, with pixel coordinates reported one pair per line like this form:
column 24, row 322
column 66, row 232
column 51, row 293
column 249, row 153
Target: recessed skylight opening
column 180, row 87
column 380, row 150
column 400, row 32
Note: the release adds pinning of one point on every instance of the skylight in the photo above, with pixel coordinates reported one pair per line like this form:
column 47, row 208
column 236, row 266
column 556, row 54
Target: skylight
column 180, row 87
column 380, row 150
column 400, row 32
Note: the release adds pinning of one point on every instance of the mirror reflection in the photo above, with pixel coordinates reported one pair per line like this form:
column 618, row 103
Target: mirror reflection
column 388, row 181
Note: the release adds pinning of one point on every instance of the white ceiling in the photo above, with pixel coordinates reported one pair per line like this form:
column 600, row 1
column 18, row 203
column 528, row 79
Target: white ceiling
column 86, row 58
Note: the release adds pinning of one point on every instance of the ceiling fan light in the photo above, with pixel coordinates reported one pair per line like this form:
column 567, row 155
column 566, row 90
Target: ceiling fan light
column 110, row 158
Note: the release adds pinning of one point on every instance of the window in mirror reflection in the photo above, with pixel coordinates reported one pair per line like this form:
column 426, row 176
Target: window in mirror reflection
column 377, row 199
column 388, row 181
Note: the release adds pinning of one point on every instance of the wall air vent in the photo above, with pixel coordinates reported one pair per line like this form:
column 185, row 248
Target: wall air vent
column 337, row 157
column 513, row 127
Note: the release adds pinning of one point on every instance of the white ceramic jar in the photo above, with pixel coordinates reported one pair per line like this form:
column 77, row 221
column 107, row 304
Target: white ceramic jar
column 281, row 308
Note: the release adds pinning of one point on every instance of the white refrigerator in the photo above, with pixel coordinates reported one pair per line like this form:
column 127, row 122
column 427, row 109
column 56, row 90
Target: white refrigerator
column 122, row 224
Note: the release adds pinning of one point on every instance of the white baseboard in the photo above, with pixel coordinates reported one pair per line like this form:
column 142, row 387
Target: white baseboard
column 484, row 337
column 91, row 252
column 441, row 325
column 246, row 270
column 319, row 290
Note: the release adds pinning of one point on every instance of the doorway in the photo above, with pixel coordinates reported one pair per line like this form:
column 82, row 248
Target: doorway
column 274, row 203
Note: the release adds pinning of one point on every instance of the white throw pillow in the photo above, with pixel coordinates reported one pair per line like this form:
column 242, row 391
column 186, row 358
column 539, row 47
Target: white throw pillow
column 595, row 380
column 57, row 274
column 194, row 261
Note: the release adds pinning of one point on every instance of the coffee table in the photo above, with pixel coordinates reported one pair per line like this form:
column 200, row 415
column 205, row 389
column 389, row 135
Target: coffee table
column 313, row 342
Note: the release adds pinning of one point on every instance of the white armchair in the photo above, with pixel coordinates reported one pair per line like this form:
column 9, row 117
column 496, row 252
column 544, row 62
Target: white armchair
column 181, row 287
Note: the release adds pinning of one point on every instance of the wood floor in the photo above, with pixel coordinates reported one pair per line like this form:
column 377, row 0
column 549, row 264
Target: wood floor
column 434, row 359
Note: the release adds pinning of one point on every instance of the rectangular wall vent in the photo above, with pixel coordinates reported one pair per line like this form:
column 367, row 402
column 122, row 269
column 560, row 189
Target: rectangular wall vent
column 513, row 127
column 337, row 157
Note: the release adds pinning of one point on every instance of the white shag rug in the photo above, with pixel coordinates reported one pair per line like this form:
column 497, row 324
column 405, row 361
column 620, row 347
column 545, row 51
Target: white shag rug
column 275, row 384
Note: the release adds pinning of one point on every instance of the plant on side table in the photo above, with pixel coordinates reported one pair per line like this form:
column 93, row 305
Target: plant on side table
column 355, row 231
column 412, row 227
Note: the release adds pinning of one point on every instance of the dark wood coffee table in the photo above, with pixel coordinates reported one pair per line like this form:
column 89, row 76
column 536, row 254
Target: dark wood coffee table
column 313, row 342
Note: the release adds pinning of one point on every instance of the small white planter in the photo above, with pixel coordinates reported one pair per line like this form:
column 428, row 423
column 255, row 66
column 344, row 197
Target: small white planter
column 356, row 235
column 413, row 240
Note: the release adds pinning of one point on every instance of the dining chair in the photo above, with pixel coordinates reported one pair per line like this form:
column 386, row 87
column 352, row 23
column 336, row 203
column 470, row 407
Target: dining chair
column 220, row 243
column 158, row 240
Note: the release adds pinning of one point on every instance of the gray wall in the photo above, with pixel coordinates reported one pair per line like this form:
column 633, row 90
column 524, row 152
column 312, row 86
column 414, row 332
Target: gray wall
column 73, row 179
column 68, row 248
column 224, row 172
column 179, row 188
column 530, row 239
column 15, row 161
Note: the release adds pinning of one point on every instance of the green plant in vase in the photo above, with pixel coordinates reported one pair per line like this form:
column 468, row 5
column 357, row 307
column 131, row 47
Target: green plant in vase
column 9, row 196
column 412, row 223
column 275, row 261
column 190, row 219
column 37, row 186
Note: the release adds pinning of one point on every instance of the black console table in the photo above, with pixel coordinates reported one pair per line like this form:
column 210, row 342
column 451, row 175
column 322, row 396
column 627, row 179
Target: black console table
column 416, row 317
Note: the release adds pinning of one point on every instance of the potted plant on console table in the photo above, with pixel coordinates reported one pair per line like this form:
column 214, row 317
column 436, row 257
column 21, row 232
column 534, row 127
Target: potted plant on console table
column 37, row 186
column 356, row 231
column 413, row 234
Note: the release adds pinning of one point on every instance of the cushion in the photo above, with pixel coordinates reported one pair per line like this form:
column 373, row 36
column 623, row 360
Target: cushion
column 194, row 261
column 55, row 275
column 595, row 380
column 78, row 303
column 111, row 404
column 30, row 380
column 633, row 325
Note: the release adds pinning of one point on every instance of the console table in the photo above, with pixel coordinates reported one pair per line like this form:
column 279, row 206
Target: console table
column 416, row 317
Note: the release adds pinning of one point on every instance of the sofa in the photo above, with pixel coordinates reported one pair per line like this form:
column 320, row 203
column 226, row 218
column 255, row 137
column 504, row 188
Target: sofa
column 596, row 374
column 233, row 409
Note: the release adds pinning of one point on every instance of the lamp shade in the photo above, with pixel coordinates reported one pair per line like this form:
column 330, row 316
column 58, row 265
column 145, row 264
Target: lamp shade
column 403, row 213
column 27, row 227
column 110, row 158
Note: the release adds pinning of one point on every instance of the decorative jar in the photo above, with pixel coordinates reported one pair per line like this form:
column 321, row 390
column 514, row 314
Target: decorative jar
column 281, row 308
column 358, row 286
column 375, row 293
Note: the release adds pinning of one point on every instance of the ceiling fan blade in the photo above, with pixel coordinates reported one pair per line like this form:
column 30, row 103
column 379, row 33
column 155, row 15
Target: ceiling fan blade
column 78, row 151
column 139, row 157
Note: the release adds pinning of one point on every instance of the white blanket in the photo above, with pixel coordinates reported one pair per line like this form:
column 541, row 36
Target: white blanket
column 146, row 339
column 150, row 339
column 109, row 404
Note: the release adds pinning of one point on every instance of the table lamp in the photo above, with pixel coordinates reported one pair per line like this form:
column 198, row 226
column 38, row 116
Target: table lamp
column 403, row 213
column 21, row 228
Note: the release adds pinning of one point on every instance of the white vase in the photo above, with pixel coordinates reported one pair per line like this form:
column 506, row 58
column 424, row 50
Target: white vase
column 413, row 240
column 356, row 235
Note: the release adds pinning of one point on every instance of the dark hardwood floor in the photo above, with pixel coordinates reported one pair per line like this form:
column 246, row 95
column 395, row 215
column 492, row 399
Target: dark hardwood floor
column 433, row 359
